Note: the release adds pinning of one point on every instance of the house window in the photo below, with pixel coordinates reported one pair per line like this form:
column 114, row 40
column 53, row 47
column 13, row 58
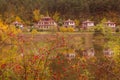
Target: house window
column 71, row 22
column 46, row 27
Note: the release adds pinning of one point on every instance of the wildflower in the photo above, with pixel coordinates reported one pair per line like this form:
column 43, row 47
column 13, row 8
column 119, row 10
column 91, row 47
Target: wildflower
column 36, row 57
column 17, row 68
column 3, row 66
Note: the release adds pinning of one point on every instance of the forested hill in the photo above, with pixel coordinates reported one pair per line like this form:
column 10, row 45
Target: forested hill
column 74, row 9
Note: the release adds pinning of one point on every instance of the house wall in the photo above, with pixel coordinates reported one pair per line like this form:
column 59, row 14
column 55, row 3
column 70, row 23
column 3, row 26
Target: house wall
column 46, row 25
column 72, row 24
column 87, row 24
column 111, row 25
column 90, row 24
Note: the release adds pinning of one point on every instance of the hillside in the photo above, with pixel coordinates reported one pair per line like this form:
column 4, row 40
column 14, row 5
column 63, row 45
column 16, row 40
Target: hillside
column 74, row 9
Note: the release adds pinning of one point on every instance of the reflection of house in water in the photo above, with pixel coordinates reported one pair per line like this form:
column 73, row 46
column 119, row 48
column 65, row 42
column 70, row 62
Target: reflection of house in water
column 89, row 52
column 70, row 54
column 108, row 52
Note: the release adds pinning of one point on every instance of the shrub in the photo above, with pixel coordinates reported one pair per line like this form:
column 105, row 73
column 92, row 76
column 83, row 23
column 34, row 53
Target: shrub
column 34, row 31
column 63, row 29
column 117, row 30
column 70, row 29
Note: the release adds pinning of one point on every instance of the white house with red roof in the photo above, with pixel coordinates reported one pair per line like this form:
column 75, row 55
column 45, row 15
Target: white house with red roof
column 46, row 23
column 18, row 24
column 87, row 24
column 110, row 24
column 69, row 23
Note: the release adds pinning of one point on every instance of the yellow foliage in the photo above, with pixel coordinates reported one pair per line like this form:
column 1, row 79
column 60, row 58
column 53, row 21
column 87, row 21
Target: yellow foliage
column 36, row 14
column 34, row 31
column 83, row 59
column 77, row 22
column 116, row 50
column 18, row 19
column 56, row 16
column 7, row 31
column 70, row 29
column 63, row 29
column 103, row 20
column 69, row 51
column 8, row 36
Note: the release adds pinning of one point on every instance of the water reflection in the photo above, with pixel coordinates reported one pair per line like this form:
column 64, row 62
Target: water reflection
column 91, row 46
column 96, row 47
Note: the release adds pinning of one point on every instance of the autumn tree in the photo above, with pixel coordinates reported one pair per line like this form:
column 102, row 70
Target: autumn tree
column 36, row 14
column 56, row 16
column 17, row 18
column 77, row 23
column 81, row 9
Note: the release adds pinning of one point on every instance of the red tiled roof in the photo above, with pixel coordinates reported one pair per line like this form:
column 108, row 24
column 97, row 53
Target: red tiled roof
column 109, row 22
column 88, row 21
column 46, row 19
column 68, row 20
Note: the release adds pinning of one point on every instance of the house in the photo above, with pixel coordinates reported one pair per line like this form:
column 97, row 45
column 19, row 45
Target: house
column 108, row 52
column 17, row 24
column 71, row 55
column 46, row 23
column 86, row 24
column 69, row 23
column 110, row 24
